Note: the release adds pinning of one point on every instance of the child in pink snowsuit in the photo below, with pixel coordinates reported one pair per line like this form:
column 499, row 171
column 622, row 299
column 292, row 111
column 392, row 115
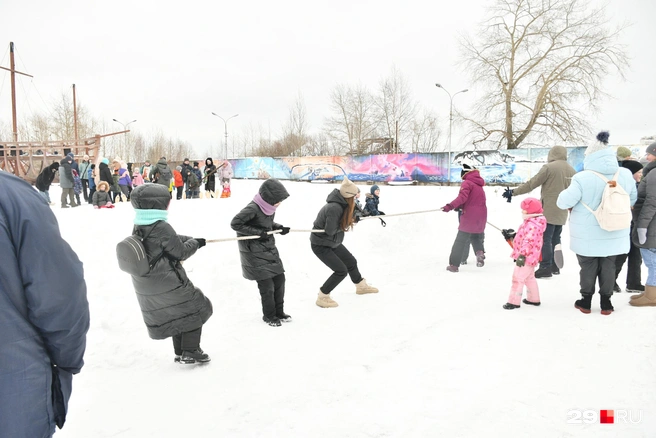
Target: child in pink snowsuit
column 527, row 247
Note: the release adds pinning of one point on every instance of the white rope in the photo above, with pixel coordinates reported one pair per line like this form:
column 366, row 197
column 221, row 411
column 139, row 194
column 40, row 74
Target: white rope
column 382, row 216
column 229, row 239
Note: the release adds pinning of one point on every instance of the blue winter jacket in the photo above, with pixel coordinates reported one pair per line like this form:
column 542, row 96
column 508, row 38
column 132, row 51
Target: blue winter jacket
column 586, row 236
column 44, row 314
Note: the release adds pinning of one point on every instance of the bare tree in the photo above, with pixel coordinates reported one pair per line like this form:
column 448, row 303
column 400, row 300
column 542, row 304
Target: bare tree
column 425, row 133
column 354, row 119
column 294, row 132
column 542, row 63
column 396, row 107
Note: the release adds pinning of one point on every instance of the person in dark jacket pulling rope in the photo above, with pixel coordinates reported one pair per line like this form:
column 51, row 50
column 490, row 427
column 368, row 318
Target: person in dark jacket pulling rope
column 170, row 303
column 260, row 260
column 44, row 314
column 44, row 180
column 335, row 218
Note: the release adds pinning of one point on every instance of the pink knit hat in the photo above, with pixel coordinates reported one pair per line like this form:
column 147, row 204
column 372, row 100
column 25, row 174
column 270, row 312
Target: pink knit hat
column 532, row 206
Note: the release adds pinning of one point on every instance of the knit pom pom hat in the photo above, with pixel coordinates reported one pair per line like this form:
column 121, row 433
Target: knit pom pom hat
column 532, row 206
column 600, row 144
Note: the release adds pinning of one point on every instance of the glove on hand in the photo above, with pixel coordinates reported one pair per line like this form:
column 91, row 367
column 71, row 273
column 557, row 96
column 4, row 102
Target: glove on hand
column 508, row 194
column 447, row 208
column 521, row 261
column 508, row 234
column 284, row 231
column 264, row 235
column 642, row 235
column 201, row 242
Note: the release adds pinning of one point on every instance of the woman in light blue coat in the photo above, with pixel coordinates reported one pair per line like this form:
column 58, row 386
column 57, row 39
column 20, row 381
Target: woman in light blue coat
column 596, row 248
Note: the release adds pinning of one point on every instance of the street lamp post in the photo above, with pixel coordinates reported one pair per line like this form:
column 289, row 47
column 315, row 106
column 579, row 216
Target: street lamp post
column 225, row 125
column 125, row 126
column 450, row 124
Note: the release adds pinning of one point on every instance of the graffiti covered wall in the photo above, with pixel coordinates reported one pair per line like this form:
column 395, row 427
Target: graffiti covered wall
column 500, row 167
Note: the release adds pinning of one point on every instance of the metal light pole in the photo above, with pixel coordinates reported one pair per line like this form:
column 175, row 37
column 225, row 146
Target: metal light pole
column 450, row 124
column 225, row 125
column 125, row 126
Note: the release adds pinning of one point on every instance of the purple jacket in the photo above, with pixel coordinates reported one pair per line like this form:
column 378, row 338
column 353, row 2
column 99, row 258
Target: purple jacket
column 471, row 199
column 124, row 179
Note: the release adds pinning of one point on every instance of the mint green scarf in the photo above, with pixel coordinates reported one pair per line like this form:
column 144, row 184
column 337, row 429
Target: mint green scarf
column 147, row 217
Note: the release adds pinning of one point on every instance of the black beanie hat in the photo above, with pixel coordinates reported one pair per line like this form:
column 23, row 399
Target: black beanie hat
column 633, row 166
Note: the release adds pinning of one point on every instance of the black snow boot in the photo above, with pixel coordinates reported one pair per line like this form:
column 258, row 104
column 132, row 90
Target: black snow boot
column 584, row 303
column 509, row 306
column 555, row 270
column 525, row 301
column 606, row 305
column 194, row 356
column 283, row 317
column 543, row 273
column 273, row 322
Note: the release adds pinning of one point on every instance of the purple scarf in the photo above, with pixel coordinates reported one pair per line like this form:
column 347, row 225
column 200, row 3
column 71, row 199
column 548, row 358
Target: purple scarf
column 266, row 208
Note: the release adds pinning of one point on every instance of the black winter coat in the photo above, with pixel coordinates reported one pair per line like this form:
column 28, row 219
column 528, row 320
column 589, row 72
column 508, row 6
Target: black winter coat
column 259, row 258
column 105, row 174
column 329, row 219
column 169, row 301
column 46, row 176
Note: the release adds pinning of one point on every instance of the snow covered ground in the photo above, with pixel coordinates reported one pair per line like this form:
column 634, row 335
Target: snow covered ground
column 432, row 355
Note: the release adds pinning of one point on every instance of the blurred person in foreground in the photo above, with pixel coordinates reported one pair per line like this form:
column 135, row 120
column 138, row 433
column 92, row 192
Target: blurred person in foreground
column 44, row 314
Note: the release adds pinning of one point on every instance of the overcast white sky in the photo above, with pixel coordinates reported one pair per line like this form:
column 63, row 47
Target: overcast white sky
column 169, row 64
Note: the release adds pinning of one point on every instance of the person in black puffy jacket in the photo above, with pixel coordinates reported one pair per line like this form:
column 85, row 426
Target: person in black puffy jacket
column 44, row 180
column 260, row 260
column 335, row 218
column 170, row 303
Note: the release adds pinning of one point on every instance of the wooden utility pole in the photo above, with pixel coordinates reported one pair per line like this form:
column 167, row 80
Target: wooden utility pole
column 13, row 72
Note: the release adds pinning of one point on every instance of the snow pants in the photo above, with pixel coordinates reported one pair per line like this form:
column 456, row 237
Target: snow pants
column 462, row 241
column 524, row 276
column 593, row 268
column 272, row 291
column 342, row 263
column 187, row 341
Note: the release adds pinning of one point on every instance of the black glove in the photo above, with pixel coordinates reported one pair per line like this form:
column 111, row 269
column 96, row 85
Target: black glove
column 201, row 242
column 284, row 231
column 508, row 234
column 264, row 235
column 521, row 261
column 508, row 194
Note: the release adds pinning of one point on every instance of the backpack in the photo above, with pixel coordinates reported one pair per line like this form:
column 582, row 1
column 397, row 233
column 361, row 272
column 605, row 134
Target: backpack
column 614, row 211
column 132, row 257
column 192, row 179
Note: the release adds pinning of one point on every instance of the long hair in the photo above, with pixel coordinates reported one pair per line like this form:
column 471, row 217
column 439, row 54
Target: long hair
column 347, row 217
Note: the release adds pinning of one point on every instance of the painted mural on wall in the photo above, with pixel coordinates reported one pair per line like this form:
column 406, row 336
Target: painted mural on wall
column 496, row 167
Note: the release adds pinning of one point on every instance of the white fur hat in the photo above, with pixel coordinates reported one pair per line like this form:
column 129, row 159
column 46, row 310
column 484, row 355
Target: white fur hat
column 600, row 143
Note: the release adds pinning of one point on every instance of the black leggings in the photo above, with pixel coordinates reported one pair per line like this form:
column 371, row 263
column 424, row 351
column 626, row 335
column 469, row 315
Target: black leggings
column 342, row 263
column 272, row 291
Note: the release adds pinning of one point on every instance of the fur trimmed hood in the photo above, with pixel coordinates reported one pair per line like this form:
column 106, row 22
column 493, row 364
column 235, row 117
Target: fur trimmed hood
column 102, row 184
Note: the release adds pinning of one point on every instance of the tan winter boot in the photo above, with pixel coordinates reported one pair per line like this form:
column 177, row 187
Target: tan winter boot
column 363, row 288
column 324, row 300
column 648, row 299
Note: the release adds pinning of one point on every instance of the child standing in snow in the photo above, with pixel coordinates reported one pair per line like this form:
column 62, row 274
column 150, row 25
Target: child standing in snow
column 172, row 307
column 527, row 247
column 260, row 260
column 471, row 200
column 372, row 200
